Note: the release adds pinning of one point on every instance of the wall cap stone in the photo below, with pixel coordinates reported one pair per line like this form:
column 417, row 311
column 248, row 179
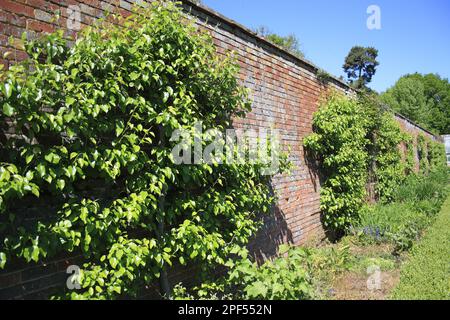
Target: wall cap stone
column 211, row 12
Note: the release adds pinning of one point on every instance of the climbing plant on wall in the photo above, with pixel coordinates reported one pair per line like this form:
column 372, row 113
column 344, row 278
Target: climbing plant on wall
column 356, row 141
column 339, row 144
column 93, row 126
column 385, row 164
column 390, row 167
column 437, row 154
column 410, row 161
column 422, row 150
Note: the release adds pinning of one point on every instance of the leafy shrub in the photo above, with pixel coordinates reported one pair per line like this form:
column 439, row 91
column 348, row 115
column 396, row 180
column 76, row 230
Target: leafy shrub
column 356, row 141
column 102, row 112
column 326, row 263
column 419, row 188
column 422, row 150
column 387, row 168
column 437, row 154
column 410, row 161
column 295, row 275
column 389, row 165
column 339, row 144
column 384, row 263
column 417, row 201
column 283, row 278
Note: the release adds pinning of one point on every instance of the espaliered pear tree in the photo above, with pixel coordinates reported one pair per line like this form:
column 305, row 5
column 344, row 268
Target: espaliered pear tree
column 93, row 124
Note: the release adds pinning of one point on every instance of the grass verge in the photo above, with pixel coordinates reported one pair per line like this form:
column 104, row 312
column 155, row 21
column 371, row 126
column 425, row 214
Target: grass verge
column 426, row 276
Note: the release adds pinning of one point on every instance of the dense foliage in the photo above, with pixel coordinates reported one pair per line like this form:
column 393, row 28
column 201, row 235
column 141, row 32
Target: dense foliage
column 422, row 152
column 390, row 169
column 339, row 143
column 424, row 99
column 414, row 206
column 93, row 148
column 356, row 142
column 361, row 65
column 297, row 273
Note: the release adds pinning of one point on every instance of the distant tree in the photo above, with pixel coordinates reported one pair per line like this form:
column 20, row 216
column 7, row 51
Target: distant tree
column 408, row 98
column 437, row 90
column 289, row 42
column 425, row 99
column 360, row 65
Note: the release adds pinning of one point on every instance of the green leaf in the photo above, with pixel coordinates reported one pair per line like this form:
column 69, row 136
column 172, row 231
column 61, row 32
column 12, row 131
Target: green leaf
column 35, row 254
column 53, row 158
column 70, row 101
column 166, row 96
column 120, row 126
column 2, row 260
column 60, row 184
column 283, row 248
column 257, row 290
column 7, row 90
column 113, row 262
column 4, row 174
column 134, row 76
column 41, row 170
column 8, row 110
column 29, row 158
column 117, row 289
column 35, row 191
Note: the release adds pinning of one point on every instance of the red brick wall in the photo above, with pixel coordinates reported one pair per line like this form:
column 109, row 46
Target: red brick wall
column 414, row 130
column 285, row 93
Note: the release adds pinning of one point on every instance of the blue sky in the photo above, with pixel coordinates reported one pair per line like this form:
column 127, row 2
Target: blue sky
column 414, row 35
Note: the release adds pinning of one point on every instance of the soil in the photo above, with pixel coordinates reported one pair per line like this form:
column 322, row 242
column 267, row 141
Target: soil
column 353, row 286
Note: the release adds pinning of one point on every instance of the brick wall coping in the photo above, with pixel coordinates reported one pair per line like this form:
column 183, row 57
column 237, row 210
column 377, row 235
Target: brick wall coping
column 437, row 138
column 299, row 60
column 237, row 26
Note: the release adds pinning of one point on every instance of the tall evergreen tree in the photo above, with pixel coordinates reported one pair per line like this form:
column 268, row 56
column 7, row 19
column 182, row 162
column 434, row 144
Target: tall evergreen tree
column 360, row 65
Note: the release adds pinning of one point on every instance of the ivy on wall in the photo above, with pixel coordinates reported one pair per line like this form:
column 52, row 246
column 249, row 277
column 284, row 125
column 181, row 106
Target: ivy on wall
column 93, row 124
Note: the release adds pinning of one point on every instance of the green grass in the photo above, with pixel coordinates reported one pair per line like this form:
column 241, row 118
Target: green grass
column 426, row 276
column 415, row 206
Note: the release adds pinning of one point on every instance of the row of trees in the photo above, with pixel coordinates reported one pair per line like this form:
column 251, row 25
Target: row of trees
column 424, row 99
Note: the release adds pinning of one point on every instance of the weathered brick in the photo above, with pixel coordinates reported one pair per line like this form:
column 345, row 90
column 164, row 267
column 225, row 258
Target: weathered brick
column 40, row 26
column 14, row 7
column 43, row 15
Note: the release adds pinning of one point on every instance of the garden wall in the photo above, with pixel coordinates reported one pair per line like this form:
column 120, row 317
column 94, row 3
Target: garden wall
column 285, row 93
